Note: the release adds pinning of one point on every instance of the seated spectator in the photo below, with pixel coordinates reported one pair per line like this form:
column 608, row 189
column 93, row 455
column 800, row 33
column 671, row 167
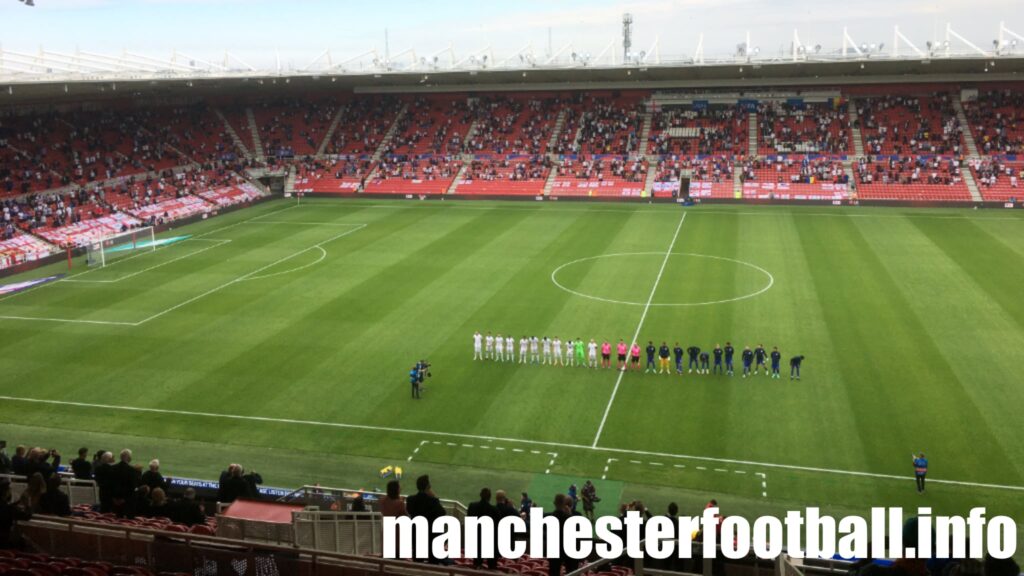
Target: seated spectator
column 81, row 467
column 54, row 501
column 158, row 505
column 186, row 510
column 152, row 477
column 34, row 492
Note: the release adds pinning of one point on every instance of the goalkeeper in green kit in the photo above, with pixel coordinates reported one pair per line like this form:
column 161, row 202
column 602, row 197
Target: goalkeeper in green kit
column 580, row 355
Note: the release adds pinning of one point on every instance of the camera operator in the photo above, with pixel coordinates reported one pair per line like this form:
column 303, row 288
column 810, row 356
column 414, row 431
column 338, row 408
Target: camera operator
column 416, row 376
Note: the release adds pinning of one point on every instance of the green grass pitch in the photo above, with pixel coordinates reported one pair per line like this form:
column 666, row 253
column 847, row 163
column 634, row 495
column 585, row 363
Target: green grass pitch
column 303, row 320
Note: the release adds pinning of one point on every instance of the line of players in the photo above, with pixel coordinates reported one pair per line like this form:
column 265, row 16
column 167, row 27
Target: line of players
column 553, row 351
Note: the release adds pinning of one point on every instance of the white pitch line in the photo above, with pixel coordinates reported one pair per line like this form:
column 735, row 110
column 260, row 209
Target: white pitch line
column 667, row 209
column 246, row 276
column 566, row 445
column 218, row 244
column 639, row 327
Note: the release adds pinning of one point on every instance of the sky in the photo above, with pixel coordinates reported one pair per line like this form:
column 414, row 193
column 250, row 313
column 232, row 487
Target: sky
column 293, row 33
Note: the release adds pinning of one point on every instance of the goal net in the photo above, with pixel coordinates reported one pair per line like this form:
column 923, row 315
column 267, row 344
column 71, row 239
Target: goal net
column 103, row 251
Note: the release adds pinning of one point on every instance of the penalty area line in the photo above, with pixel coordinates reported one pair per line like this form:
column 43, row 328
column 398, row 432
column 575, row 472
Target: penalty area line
column 453, row 435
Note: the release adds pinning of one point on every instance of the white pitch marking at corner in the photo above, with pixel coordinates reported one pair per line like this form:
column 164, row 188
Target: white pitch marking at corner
column 639, row 327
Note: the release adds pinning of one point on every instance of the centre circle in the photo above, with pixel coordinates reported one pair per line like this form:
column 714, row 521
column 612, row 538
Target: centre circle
column 683, row 279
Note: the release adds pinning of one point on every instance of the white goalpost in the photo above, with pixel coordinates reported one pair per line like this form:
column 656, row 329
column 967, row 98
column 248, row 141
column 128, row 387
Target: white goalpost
column 103, row 251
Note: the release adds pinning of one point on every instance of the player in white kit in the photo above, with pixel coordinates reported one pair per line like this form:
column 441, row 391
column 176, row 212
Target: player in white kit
column 489, row 346
column 592, row 353
column 535, row 350
column 499, row 348
column 478, row 346
column 570, row 360
column 523, row 343
column 510, row 353
column 546, row 349
column 556, row 345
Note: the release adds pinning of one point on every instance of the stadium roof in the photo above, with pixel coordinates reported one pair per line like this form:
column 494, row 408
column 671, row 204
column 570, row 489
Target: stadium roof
column 736, row 75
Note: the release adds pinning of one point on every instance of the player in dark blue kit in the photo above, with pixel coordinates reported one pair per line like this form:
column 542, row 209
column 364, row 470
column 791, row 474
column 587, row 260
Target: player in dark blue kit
column 705, row 363
column 776, row 360
column 729, row 351
column 678, row 353
column 920, row 470
column 694, row 352
column 760, row 355
column 650, row 356
column 748, row 359
column 794, row 367
column 718, row 359
column 414, row 379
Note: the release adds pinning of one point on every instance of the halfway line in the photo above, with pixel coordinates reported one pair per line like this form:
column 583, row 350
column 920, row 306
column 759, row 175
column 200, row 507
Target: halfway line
column 639, row 327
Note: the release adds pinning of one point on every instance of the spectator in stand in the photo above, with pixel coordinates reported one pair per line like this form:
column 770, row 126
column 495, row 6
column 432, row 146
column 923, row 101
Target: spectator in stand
column 34, row 492
column 232, row 485
column 524, row 506
column 589, row 496
column 9, row 514
column 426, row 505
column 81, row 467
column 253, row 479
column 562, row 512
column 158, row 507
column 19, row 463
column 186, row 510
column 124, row 480
column 152, row 477
column 38, row 461
column 484, row 509
column 140, row 501
column 5, row 460
column 54, row 501
column 103, row 472
column 504, row 507
column 392, row 504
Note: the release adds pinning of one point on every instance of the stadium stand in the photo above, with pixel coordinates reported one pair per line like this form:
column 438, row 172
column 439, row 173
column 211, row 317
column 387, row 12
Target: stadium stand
column 910, row 125
column 711, row 131
column 998, row 179
column 362, row 125
column 401, row 174
column 710, row 176
column 610, row 176
column 803, row 129
column 512, row 176
column 911, row 178
column 433, row 125
column 293, row 127
column 996, row 120
column 513, row 125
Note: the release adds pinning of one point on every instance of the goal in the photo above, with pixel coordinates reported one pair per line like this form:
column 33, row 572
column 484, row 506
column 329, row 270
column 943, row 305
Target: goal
column 104, row 251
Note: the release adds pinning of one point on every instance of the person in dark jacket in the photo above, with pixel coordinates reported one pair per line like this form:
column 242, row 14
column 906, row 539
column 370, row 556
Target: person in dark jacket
column 54, row 501
column 424, row 504
column 232, row 485
column 153, row 478
column 562, row 512
column 81, row 467
column 483, row 508
column 103, row 473
column 124, row 480
column 9, row 514
column 187, row 510
column 39, row 461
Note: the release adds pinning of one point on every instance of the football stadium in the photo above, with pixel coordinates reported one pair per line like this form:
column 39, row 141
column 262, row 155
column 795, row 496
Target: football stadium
column 245, row 310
